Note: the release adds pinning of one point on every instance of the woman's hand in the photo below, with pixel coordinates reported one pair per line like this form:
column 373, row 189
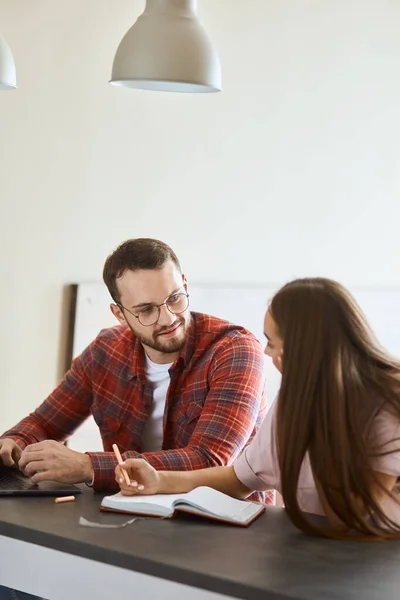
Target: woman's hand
column 144, row 479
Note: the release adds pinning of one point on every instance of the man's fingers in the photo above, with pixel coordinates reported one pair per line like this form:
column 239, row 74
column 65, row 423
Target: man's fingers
column 6, row 455
column 7, row 459
column 27, row 458
column 42, row 476
column 16, row 454
column 34, row 467
column 6, row 452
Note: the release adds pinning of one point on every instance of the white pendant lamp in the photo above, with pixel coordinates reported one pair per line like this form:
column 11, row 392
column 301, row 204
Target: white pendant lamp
column 167, row 49
column 8, row 77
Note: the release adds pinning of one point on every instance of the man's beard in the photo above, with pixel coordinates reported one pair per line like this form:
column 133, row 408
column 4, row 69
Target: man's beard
column 167, row 346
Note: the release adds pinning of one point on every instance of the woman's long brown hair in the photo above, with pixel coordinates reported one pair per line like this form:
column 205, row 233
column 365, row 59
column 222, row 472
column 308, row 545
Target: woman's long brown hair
column 336, row 378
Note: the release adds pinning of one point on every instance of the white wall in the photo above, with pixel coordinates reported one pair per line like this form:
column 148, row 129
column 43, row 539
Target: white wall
column 292, row 170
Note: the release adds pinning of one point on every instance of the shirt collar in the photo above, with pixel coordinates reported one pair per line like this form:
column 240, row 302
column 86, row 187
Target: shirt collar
column 187, row 349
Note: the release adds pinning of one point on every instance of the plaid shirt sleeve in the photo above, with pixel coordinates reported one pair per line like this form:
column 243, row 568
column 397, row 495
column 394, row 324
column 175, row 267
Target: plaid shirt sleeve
column 234, row 405
column 62, row 412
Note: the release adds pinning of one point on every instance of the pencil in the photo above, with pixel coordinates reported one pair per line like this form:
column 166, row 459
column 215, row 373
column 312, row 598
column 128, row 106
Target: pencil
column 64, row 499
column 119, row 459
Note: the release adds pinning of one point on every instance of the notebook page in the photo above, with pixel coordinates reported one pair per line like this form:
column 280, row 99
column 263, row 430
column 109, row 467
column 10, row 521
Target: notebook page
column 246, row 516
column 160, row 503
column 216, row 503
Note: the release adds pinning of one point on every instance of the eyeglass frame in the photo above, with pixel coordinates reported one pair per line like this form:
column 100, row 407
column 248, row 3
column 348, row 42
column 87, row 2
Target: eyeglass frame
column 158, row 306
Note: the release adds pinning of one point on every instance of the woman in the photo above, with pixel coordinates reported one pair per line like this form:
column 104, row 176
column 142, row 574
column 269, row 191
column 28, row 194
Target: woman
column 330, row 443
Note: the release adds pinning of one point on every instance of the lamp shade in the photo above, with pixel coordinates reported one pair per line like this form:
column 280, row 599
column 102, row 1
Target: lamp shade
column 167, row 49
column 8, row 77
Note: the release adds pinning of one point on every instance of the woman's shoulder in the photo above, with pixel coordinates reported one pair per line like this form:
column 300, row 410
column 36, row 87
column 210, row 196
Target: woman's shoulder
column 385, row 440
column 387, row 421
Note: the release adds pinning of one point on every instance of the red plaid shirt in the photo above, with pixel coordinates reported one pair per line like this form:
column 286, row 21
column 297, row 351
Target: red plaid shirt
column 215, row 400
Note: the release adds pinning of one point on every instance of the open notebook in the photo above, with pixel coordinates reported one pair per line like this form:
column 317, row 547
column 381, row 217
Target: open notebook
column 203, row 501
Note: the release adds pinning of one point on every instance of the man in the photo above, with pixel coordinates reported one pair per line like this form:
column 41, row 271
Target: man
column 182, row 390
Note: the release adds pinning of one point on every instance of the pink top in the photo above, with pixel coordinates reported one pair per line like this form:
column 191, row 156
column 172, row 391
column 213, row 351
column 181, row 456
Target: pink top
column 257, row 467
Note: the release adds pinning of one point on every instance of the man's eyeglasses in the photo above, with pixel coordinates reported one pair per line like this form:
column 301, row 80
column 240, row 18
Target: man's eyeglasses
column 149, row 315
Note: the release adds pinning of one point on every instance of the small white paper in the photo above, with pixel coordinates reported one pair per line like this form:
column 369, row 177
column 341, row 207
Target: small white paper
column 85, row 523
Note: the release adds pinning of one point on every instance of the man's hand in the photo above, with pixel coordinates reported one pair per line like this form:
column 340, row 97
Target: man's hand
column 144, row 479
column 10, row 452
column 52, row 461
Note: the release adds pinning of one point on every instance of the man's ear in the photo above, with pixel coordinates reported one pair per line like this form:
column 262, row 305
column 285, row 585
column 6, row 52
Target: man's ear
column 118, row 314
column 184, row 282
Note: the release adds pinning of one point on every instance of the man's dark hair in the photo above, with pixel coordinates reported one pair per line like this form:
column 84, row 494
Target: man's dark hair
column 132, row 255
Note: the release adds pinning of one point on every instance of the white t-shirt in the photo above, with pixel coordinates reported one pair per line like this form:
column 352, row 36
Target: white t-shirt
column 158, row 376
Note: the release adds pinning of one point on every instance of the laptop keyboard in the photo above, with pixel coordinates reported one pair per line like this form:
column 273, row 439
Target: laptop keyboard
column 15, row 481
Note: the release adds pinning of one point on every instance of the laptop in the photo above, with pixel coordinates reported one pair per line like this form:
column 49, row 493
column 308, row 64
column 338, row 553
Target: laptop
column 14, row 483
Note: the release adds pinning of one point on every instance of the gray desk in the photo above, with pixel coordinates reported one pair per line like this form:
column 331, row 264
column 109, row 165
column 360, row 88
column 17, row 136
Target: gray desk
column 44, row 550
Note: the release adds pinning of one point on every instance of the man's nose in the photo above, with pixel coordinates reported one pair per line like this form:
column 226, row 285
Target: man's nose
column 166, row 316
